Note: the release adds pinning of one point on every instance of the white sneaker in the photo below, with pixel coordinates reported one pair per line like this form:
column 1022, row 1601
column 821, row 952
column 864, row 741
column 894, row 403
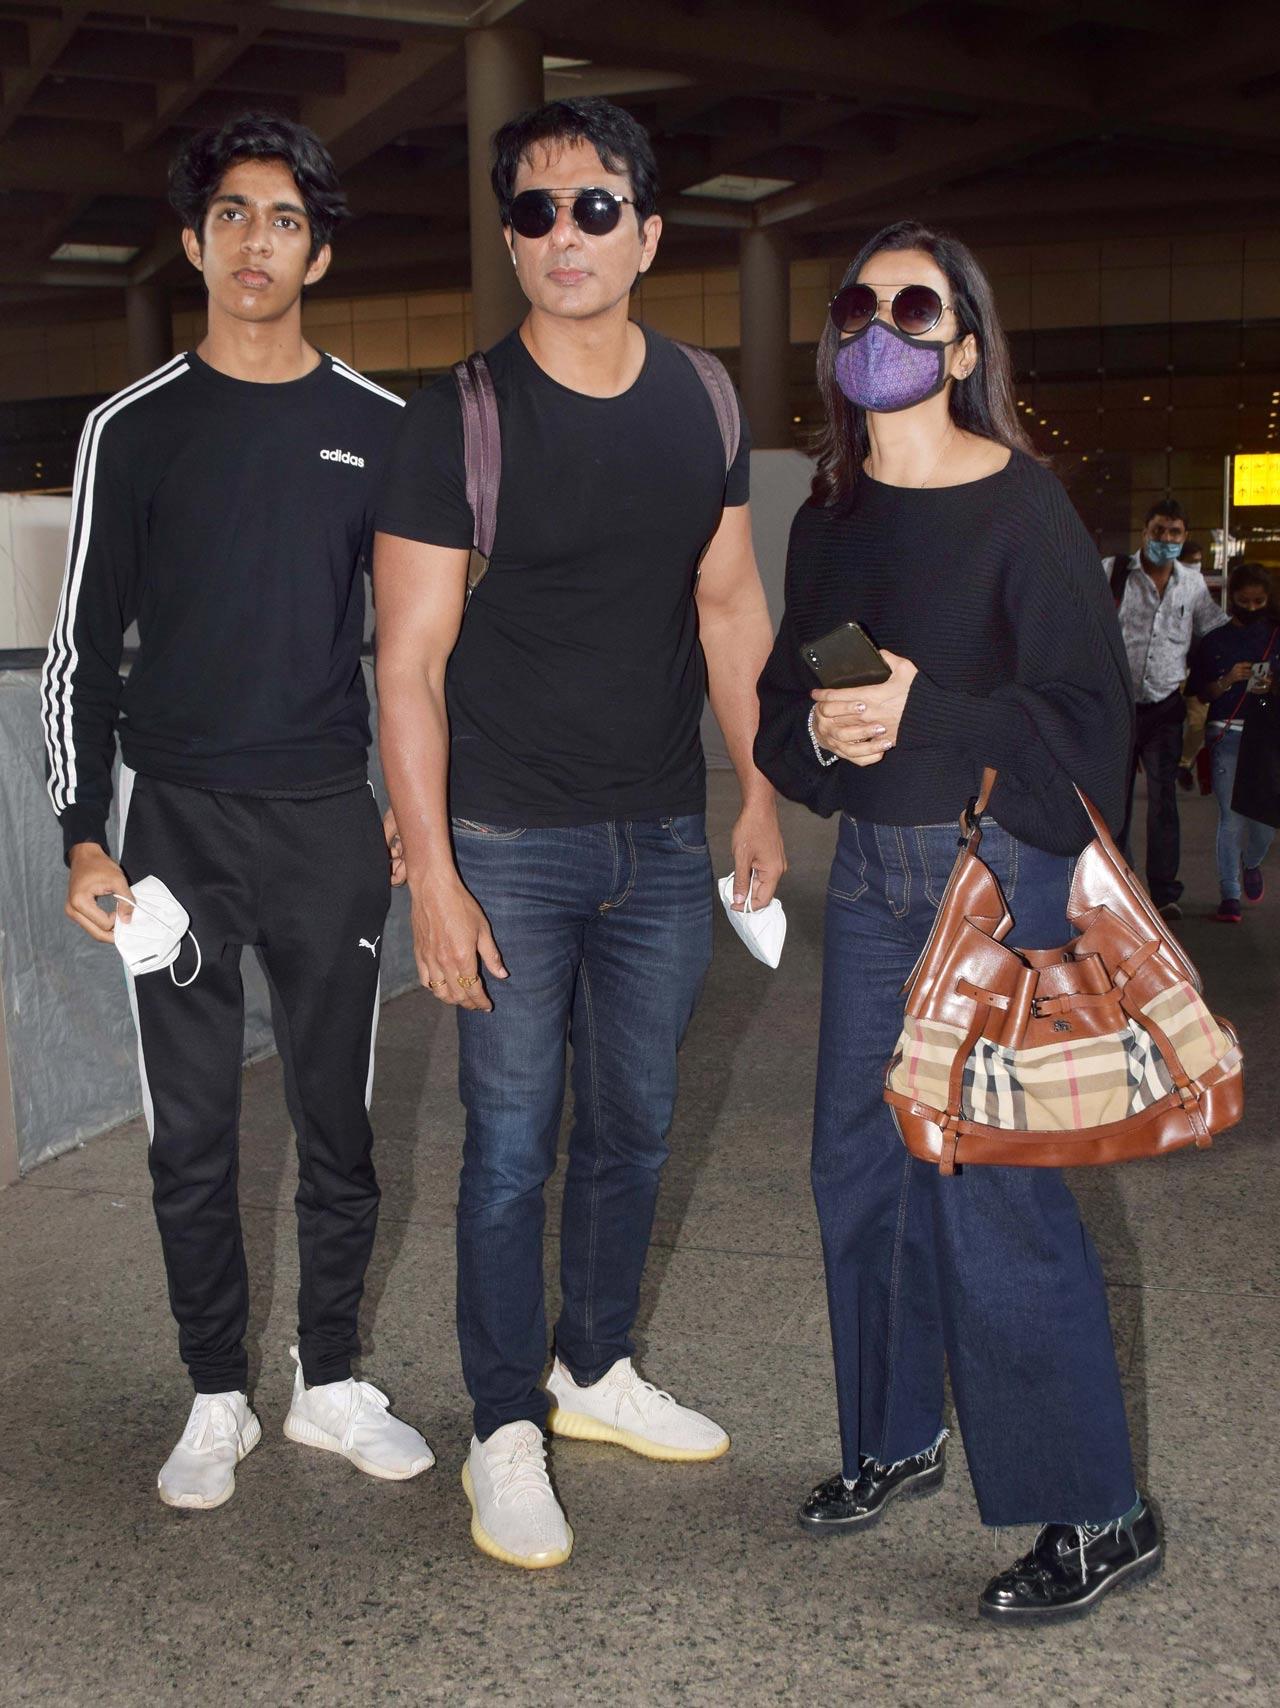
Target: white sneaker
column 622, row 1409
column 515, row 1516
column 201, row 1470
column 351, row 1418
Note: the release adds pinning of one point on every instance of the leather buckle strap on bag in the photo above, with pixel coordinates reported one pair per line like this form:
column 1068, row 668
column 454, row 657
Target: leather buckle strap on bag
column 482, row 441
column 1094, row 1052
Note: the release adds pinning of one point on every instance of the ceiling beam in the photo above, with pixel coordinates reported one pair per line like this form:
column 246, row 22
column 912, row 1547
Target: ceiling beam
column 759, row 46
column 211, row 57
column 1075, row 195
column 385, row 97
column 929, row 157
column 1236, row 42
column 46, row 38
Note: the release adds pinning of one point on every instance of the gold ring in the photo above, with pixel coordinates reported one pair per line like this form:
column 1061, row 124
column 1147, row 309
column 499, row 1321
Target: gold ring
column 466, row 980
column 435, row 984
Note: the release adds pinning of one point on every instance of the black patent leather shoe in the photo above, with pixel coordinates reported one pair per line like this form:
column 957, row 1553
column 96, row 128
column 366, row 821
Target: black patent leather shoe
column 1072, row 1566
column 835, row 1506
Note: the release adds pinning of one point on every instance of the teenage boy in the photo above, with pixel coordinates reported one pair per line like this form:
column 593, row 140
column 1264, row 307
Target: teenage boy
column 223, row 502
column 570, row 897
column 1164, row 608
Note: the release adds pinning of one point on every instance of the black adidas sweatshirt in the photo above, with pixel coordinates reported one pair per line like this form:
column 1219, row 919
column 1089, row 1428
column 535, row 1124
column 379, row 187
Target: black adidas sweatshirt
column 233, row 521
column 995, row 592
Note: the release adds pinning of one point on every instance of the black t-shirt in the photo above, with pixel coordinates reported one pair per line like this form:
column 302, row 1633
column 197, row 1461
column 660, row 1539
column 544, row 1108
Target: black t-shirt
column 233, row 521
column 576, row 687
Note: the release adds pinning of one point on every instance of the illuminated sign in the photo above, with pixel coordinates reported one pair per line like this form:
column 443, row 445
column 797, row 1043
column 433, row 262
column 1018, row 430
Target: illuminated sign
column 1257, row 479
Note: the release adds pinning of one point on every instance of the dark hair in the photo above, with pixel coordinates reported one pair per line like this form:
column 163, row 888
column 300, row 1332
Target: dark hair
column 622, row 144
column 1192, row 546
column 1169, row 508
column 1250, row 575
column 202, row 163
column 981, row 404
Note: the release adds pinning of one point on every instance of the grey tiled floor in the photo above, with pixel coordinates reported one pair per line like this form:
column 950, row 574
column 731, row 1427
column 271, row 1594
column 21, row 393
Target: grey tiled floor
column 689, row 1586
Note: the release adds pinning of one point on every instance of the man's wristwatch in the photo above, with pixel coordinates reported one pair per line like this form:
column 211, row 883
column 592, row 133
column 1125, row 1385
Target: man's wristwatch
column 820, row 753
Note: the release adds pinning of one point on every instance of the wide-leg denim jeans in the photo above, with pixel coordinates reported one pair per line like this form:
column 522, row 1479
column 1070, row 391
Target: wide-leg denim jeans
column 605, row 930
column 991, row 1269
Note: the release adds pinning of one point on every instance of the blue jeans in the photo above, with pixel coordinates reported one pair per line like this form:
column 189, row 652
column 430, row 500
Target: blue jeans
column 606, row 932
column 990, row 1270
column 1241, row 841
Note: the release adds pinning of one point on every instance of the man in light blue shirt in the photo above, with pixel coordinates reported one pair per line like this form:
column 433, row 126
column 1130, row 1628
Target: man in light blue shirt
column 1164, row 608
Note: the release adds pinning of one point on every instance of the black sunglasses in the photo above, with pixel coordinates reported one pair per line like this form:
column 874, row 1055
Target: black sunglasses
column 916, row 309
column 533, row 212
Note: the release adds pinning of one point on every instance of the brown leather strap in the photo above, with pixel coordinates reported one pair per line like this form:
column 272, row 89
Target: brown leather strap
column 719, row 388
column 482, row 458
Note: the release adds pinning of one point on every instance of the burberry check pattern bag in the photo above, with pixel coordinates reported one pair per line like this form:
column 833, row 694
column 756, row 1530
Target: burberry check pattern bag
column 1045, row 1058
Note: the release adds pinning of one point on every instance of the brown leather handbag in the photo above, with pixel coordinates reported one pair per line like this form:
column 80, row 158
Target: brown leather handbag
column 1048, row 1058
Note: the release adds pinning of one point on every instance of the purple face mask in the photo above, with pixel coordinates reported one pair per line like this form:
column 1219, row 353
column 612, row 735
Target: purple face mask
column 881, row 370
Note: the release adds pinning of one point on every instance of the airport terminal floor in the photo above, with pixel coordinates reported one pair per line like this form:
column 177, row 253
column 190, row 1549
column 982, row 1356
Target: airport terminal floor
column 689, row 1585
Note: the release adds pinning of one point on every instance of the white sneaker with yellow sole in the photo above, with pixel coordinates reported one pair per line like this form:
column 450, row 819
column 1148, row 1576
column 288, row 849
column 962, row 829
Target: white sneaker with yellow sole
column 627, row 1411
column 515, row 1516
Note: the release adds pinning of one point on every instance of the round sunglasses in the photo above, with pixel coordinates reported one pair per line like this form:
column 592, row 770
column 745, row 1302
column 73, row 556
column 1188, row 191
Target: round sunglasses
column 533, row 212
column 916, row 309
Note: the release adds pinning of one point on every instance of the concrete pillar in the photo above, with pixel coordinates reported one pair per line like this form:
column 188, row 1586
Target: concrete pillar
column 504, row 77
column 765, row 283
column 150, row 329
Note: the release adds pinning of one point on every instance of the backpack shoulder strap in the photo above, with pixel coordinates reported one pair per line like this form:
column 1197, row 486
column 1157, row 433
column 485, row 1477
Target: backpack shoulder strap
column 1121, row 570
column 482, row 457
column 719, row 388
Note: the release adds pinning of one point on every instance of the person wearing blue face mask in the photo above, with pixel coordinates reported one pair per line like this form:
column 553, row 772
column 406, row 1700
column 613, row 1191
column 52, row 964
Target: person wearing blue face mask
column 1164, row 608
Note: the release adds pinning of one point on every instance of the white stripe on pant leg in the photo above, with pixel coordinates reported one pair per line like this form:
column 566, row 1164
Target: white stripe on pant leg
column 148, row 1108
column 373, row 1041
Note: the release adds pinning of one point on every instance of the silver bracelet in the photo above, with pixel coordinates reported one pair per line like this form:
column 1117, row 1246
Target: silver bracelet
column 820, row 753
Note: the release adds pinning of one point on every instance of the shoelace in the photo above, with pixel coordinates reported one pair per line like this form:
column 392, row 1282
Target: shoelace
column 364, row 1397
column 213, row 1420
column 523, row 1472
column 1086, row 1535
column 632, row 1386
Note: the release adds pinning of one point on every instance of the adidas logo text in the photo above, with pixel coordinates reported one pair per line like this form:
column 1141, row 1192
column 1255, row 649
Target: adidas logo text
column 343, row 457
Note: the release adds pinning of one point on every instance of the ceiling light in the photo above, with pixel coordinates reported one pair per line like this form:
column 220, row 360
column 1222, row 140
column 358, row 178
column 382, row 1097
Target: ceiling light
column 115, row 254
column 733, row 187
column 1146, row 397
column 1043, row 422
column 1055, row 432
column 557, row 62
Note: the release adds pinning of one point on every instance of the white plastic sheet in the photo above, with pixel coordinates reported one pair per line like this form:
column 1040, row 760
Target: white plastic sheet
column 72, row 1051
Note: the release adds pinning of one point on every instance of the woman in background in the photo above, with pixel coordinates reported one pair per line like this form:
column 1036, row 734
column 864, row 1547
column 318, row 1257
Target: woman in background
column 1222, row 674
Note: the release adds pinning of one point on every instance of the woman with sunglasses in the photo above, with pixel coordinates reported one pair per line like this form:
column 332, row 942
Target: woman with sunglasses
column 934, row 526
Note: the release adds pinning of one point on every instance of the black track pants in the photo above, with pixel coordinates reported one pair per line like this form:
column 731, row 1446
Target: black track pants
column 307, row 884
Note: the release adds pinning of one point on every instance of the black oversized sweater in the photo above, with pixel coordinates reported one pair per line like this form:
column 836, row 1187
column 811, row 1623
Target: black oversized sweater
column 233, row 520
column 994, row 590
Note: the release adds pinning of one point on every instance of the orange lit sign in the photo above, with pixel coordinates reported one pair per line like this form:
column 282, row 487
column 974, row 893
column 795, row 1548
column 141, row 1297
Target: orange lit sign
column 1257, row 479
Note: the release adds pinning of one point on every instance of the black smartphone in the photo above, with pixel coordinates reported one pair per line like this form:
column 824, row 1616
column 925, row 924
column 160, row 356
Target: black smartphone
column 845, row 658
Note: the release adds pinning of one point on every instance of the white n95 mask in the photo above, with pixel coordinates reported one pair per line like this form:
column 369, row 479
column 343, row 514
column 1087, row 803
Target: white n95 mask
column 763, row 932
column 152, row 938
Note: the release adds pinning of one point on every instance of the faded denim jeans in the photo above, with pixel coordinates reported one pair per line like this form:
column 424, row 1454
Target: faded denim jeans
column 1241, row 841
column 990, row 1271
column 606, row 932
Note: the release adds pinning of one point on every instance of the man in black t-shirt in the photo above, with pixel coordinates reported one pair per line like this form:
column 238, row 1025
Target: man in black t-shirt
column 224, row 502
column 569, row 898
